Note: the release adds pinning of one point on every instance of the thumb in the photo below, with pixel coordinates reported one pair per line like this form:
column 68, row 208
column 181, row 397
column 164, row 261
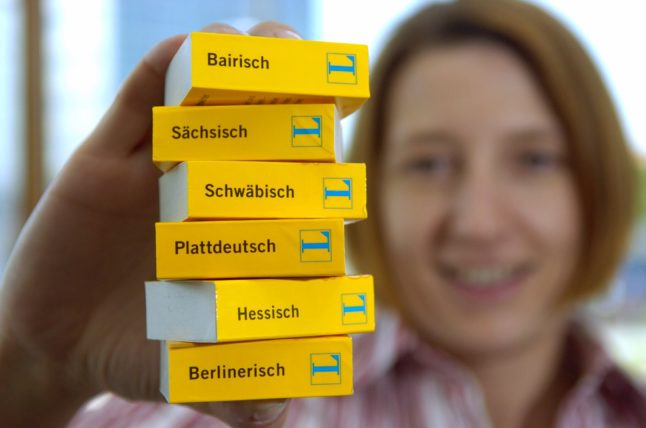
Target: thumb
column 126, row 124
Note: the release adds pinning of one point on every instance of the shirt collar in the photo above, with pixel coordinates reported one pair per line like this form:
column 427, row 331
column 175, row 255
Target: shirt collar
column 600, row 378
column 393, row 343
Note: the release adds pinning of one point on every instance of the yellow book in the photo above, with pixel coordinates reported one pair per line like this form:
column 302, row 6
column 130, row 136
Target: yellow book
column 250, row 249
column 244, row 309
column 216, row 69
column 196, row 190
column 281, row 368
column 307, row 132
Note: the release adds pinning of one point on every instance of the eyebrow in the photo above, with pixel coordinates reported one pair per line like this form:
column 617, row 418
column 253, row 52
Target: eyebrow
column 440, row 138
column 425, row 137
column 533, row 135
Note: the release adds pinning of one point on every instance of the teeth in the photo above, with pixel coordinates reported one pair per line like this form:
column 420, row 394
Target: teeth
column 483, row 277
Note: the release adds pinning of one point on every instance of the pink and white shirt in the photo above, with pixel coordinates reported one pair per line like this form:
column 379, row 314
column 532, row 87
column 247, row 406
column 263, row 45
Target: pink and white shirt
column 401, row 381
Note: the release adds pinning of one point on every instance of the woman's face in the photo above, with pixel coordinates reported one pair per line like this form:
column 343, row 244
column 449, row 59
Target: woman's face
column 479, row 209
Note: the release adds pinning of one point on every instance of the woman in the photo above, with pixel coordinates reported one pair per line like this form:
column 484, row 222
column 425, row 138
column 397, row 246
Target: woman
column 501, row 195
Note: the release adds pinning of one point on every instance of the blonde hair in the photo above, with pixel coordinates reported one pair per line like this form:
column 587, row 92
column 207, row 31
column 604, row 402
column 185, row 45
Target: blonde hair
column 603, row 169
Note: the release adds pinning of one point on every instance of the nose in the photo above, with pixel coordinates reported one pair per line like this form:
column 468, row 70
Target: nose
column 478, row 214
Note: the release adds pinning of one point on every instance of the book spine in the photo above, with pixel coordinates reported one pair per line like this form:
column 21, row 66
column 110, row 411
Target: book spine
column 264, row 190
column 257, row 370
column 253, row 310
column 229, row 69
column 250, row 249
column 240, row 310
column 277, row 132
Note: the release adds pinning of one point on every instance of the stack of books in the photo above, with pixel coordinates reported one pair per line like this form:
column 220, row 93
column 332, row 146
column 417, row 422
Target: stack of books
column 252, row 301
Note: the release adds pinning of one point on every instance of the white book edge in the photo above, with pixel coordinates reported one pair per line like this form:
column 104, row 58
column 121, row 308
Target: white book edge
column 179, row 75
column 181, row 311
column 173, row 194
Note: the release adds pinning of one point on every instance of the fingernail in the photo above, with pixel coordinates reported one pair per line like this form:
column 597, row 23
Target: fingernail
column 218, row 27
column 268, row 411
column 287, row 34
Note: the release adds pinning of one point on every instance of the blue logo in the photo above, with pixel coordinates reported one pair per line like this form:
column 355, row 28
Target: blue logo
column 306, row 131
column 342, row 68
column 354, row 308
column 325, row 369
column 316, row 245
column 337, row 193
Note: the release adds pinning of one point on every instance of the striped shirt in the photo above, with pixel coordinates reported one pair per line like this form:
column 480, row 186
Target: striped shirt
column 401, row 381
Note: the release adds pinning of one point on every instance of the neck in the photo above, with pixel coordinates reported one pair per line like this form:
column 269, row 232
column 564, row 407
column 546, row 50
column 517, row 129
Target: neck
column 524, row 386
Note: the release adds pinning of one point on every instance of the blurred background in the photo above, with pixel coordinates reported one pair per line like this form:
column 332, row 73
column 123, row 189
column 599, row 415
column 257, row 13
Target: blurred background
column 62, row 61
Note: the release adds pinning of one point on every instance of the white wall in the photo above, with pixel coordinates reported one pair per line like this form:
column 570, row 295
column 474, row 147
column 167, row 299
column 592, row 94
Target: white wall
column 613, row 32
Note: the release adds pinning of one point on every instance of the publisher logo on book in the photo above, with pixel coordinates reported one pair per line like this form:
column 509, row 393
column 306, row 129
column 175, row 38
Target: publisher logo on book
column 306, row 131
column 337, row 193
column 354, row 309
column 316, row 245
column 325, row 369
column 342, row 68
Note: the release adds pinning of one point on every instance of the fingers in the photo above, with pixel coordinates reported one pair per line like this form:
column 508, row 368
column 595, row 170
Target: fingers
column 274, row 29
column 262, row 29
column 257, row 413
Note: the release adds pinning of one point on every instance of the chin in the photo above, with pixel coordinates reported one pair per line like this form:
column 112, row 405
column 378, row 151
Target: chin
column 469, row 334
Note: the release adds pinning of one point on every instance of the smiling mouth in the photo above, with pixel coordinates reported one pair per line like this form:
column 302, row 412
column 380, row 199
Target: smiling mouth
column 491, row 278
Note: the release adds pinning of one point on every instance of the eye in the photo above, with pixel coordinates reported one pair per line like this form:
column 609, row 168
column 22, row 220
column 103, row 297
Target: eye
column 429, row 165
column 538, row 160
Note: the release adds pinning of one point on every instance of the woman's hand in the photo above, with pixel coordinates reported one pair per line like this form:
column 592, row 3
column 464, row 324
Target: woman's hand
column 72, row 310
